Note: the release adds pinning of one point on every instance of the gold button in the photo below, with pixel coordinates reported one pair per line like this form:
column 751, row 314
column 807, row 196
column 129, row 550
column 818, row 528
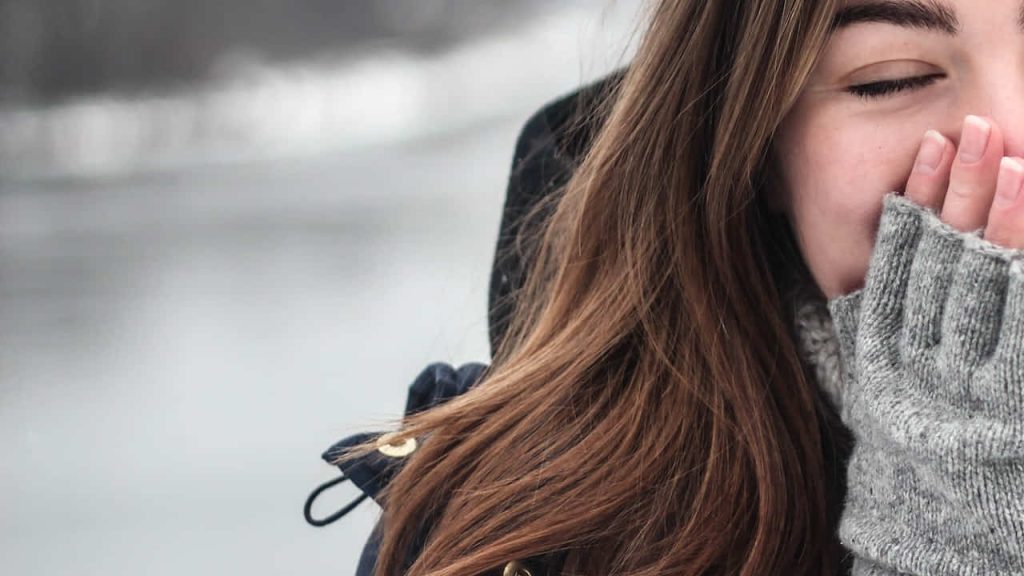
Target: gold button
column 395, row 447
column 515, row 568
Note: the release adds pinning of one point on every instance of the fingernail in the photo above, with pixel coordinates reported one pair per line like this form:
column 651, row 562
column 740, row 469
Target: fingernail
column 974, row 139
column 1010, row 180
column 930, row 155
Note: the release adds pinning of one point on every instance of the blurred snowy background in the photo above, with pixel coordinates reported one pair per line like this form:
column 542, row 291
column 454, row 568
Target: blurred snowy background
column 232, row 232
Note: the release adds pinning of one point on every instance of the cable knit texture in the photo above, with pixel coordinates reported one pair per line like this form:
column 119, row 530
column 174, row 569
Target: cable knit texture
column 930, row 379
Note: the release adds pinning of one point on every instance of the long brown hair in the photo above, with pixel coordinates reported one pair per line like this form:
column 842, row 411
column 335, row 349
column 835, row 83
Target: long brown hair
column 648, row 412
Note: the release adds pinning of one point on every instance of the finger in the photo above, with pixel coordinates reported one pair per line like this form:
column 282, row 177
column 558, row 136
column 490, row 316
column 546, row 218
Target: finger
column 973, row 314
column 931, row 275
column 972, row 180
column 885, row 289
column 929, row 178
column 1006, row 218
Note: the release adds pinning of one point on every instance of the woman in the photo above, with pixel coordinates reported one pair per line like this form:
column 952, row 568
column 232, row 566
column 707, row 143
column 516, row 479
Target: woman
column 665, row 398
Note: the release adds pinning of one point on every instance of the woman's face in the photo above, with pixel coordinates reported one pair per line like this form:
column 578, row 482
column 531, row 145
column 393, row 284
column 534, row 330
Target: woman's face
column 849, row 141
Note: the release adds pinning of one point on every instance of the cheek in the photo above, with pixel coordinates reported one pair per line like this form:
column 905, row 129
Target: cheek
column 850, row 165
column 836, row 174
column 873, row 160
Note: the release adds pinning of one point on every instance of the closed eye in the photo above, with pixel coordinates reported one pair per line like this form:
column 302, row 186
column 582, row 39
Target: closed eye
column 884, row 88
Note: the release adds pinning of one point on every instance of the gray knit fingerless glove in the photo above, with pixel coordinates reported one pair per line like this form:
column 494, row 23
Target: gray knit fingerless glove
column 933, row 360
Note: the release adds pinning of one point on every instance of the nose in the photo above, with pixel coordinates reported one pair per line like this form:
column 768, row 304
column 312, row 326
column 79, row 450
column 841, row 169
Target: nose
column 1000, row 99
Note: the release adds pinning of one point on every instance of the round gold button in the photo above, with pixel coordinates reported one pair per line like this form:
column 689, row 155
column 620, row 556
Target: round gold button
column 515, row 568
column 395, row 447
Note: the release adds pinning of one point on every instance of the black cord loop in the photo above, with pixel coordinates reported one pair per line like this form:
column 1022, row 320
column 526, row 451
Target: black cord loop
column 320, row 522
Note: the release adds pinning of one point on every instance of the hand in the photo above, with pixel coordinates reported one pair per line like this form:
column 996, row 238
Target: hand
column 933, row 384
column 974, row 186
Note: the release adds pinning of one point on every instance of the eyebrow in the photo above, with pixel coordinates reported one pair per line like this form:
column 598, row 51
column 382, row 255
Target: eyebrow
column 923, row 14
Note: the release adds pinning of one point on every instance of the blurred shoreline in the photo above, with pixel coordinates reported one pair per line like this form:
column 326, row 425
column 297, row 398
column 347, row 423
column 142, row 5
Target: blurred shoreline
column 51, row 50
column 260, row 112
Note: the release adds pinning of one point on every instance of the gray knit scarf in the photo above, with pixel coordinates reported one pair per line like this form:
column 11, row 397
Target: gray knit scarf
column 816, row 340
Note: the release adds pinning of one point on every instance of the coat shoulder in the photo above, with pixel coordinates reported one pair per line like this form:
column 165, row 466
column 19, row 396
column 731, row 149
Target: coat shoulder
column 548, row 148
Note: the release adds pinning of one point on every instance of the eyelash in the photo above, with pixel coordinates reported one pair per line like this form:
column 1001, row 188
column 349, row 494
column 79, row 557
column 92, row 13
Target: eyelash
column 884, row 88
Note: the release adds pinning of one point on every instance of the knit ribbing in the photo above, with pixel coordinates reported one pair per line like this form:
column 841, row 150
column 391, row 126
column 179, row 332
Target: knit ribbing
column 932, row 353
